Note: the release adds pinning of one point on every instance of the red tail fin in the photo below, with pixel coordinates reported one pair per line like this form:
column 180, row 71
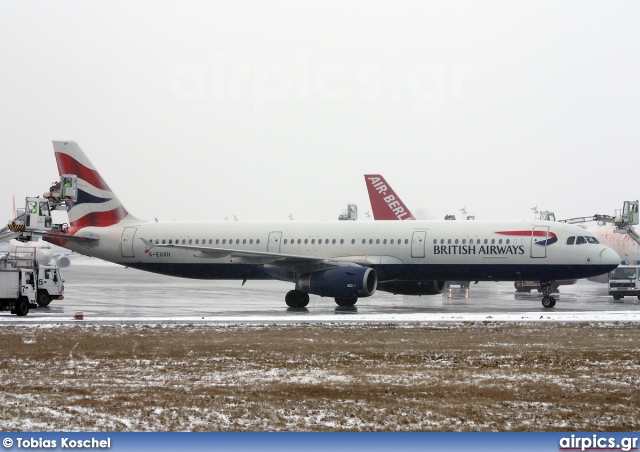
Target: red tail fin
column 385, row 204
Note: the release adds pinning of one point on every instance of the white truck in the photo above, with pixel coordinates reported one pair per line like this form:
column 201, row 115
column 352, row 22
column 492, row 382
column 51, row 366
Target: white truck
column 624, row 281
column 25, row 284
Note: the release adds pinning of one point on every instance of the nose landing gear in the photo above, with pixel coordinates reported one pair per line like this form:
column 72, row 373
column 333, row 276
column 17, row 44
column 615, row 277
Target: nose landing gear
column 548, row 301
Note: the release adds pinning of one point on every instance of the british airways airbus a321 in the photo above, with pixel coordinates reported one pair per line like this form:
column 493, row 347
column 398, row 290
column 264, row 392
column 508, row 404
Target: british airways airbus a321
column 342, row 259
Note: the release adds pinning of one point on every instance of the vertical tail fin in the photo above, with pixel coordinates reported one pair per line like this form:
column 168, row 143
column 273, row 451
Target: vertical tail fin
column 96, row 204
column 385, row 204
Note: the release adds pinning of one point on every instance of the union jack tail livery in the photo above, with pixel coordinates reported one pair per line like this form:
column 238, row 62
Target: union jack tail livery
column 385, row 204
column 96, row 204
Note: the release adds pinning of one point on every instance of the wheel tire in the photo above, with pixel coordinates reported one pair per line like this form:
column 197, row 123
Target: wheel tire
column 346, row 301
column 43, row 298
column 22, row 307
column 296, row 299
column 553, row 302
column 548, row 301
column 617, row 297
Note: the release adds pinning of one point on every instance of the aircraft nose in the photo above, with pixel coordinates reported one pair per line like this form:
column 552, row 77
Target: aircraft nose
column 609, row 257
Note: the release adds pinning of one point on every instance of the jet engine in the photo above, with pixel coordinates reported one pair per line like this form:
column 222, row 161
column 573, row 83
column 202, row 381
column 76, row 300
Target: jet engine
column 340, row 282
column 63, row 261
column 412, row 287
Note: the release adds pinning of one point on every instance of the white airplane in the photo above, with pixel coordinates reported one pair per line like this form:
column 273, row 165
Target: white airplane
column 627, row 248
column 339, row 259
column 623, row 244
column 45, row 252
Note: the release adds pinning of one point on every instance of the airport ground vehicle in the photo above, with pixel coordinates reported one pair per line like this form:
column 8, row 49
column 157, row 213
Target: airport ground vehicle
column 25, row 284
column 624, row 281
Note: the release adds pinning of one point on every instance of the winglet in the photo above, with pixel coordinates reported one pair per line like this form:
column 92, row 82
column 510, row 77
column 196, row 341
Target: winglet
column 385, row 204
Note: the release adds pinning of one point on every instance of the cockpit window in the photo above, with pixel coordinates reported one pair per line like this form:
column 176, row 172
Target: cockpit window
column 591, row 239
column 581, row 240
column 571, row 240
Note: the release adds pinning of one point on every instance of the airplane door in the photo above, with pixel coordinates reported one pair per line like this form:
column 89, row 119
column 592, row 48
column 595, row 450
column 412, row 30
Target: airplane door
column 127, row 242
column 417, row 243
column 539, row 241
column 273, row 246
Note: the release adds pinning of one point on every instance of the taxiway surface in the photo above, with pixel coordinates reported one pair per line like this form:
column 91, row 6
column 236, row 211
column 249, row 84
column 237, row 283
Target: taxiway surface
column 110, row 292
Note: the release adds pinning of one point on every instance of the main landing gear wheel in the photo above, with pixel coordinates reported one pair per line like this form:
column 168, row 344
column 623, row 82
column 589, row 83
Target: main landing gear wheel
column 547, row 300
column 296, row 299
column 346, row 301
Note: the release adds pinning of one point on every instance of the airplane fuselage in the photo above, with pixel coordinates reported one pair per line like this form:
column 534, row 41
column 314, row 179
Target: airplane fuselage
column 417, row 250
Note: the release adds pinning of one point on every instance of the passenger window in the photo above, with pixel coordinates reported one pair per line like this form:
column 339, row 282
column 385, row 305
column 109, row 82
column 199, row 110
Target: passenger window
column 251, row 242
column 333, row 242
column 244, row 241
column 377, row 241
column 493, row 241
column 406, row 241
column 571, row 240
column 500, row 242
column 456, row 242
column 434, row 241
column 486, row 241
column 224, row 241
column 580, row 240
column 299, row 241
column 258, row 241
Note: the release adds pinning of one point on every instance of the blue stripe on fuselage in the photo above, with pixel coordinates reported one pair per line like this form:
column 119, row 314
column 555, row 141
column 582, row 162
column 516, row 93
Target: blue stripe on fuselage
column 423, row 272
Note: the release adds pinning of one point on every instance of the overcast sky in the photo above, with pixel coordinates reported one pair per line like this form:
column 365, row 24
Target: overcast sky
column 261, row 109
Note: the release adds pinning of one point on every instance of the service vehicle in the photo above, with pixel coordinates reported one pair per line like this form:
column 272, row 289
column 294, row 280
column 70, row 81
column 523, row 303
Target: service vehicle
column 25, row 284
column 624, row 281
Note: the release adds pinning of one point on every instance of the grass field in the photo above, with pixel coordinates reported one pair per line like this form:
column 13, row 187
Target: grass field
column 427, row 377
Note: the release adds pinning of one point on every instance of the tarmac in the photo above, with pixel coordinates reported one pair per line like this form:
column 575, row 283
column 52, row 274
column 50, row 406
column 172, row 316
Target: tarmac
column 108, row 293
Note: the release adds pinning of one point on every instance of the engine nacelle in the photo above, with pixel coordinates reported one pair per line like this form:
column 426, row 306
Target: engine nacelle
column 412, row 287
column 340, row 282
column 63, row 261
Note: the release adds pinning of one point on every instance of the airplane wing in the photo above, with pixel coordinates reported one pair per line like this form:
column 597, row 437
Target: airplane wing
column 288, row 262
column 6, row 234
